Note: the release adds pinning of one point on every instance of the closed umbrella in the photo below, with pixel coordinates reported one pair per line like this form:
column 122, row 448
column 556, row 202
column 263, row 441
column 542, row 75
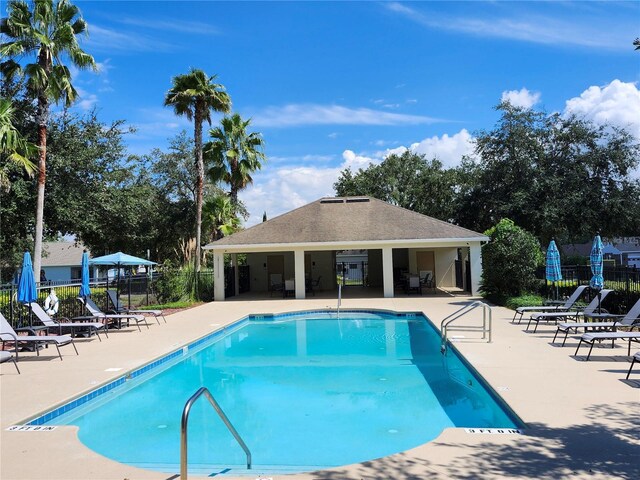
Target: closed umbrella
column 85, row 291
column 27, row 292
column 553, row 271
column 596, row 257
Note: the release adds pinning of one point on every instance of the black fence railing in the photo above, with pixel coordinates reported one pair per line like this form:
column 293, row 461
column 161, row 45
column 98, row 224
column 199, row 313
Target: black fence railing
column 625, row 282
column 133, row 291
column 353, row 273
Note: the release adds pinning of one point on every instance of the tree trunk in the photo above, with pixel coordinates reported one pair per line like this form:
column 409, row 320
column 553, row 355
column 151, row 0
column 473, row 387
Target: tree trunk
column 197, row 136
column 233, row 191
column 43, row 114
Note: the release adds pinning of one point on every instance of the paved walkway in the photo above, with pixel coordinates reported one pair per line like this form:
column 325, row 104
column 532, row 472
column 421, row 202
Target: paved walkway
column 582, row 417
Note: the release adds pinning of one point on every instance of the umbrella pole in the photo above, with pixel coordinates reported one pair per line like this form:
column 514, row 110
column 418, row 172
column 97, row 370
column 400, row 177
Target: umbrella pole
column 129, row 299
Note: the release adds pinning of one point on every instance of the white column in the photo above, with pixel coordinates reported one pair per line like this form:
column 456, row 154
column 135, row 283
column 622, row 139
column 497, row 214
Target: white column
column 299, row 273
column 475, row 263
column 218, row 276
column 236, row 272
column 387, row 271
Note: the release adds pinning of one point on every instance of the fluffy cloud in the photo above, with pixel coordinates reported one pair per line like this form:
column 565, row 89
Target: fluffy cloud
column 448, row 149
column 617, row 103
column 521, row 98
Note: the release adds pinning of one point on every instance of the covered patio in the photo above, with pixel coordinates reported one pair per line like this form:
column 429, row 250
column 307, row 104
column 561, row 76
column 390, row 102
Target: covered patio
column 296, row 253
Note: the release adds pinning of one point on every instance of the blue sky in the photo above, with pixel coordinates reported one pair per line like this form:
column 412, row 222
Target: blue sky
column 335, row 84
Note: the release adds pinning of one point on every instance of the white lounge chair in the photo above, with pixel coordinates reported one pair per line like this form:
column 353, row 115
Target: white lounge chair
column 559, row 307
column 118, row 307
column 9, row 335
column 6, row 356
column 615, row 321
column 47, row 321
column 538, row 317
column 95, row 312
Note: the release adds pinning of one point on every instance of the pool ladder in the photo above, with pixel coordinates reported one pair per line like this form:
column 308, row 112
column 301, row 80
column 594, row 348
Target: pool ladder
column 485, row 328
column 185, row 420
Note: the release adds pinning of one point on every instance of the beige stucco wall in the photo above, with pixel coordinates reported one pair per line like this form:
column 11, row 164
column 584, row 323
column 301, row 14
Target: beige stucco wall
column 324, row 266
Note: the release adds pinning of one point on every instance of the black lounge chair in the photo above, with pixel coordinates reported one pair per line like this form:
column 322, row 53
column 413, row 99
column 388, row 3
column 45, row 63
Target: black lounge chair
column 51, row 324
column 96, row 313
column 118, row 307
column 6, row 356
column 558, row 307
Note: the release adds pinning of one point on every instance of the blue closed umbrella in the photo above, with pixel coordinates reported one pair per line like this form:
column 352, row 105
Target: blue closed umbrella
column 596, row 257
column 85, row 291
column 27, row 292
column 553, row 271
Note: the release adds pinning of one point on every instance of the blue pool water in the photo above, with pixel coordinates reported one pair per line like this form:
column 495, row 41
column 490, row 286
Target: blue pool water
column 305, row 391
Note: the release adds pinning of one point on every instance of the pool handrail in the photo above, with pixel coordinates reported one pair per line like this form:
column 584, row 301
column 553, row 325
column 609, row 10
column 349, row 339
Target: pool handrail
column 485, row 328
column 185, row 420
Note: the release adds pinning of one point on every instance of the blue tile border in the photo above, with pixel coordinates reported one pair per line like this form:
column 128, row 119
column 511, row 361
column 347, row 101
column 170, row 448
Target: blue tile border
column 97, row 392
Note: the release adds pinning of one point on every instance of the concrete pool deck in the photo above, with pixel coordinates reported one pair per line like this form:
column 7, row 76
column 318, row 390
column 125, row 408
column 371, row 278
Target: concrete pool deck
column 583, row 417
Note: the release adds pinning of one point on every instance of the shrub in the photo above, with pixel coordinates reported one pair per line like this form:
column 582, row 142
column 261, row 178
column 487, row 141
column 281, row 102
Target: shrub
column 509, row 261
column 524, row 301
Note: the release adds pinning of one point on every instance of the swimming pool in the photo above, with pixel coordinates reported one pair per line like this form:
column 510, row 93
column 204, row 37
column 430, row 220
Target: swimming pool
column 304, row 390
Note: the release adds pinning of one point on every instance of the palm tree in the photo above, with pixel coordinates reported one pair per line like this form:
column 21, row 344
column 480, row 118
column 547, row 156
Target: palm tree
column 49, row 32
column 195, row 95
column 234, row 154
column 218, row 216
column 17, row 149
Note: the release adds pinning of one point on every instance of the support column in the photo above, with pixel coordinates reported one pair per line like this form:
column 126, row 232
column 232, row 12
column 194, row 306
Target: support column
column 218, row 276
column 475, row 263
column 387, row 271
column 299, row 273
column 236, row 273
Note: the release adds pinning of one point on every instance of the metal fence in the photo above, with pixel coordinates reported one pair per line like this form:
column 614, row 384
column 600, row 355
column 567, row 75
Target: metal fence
column 133, row 290
column 353, row 274
column 625, row 281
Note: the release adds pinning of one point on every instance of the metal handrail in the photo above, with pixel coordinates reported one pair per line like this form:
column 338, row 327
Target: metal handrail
column 183, row 429
column 339, row 299
column 486, row 322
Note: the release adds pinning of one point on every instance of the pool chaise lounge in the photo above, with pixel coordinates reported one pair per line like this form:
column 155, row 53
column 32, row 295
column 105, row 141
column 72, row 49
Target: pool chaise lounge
column 9, row 335
column 593, row 337
column 47, row 321
column 121, row 309
column 95, row 312
column 538, row 317
column 628, row 320
column 636, row 358
column 6, row 356
column 560, row 307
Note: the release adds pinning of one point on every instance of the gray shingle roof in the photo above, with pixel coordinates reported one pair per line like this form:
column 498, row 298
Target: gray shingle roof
column 62, row 254
column 347, row 219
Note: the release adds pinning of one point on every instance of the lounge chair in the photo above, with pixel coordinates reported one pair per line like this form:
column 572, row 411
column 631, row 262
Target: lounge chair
column 8, row 356
column 275, row 283
column 9, row 335
column 615, row 321
column 593, row 337
column 120, row 308
column 117, row 318
column 560, row 307
column 289, row 288
column 47, row 321
column 636, row 358
column 538, row 317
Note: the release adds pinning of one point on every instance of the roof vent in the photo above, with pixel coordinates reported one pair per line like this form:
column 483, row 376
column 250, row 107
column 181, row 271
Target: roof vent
column 357, row 200
column 332, row 200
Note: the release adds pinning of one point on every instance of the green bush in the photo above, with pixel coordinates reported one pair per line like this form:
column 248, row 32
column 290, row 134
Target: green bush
column 169, row 287
column 524, row 301
column 509, row 262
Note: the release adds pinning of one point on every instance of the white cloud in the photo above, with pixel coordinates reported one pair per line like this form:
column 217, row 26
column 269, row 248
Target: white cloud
column 173, row 25
column 312, row 114
column 86, row 100
column 521, row 98
column 448, row 149
column 105, row 39
column 579, row 30
column 617, row 103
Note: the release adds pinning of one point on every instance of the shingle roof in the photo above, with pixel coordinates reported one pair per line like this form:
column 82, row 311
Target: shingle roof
column 62, row 254
column 347, row 219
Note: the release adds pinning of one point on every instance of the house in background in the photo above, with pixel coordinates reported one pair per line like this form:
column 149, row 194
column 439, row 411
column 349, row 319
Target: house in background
column 617, row 251
column 61, row 261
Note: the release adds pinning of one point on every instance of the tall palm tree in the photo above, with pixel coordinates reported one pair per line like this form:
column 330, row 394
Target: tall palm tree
column 218, row 216
column 12, row 144
column 49, row 33
column 195, row 95
column 234, row 154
